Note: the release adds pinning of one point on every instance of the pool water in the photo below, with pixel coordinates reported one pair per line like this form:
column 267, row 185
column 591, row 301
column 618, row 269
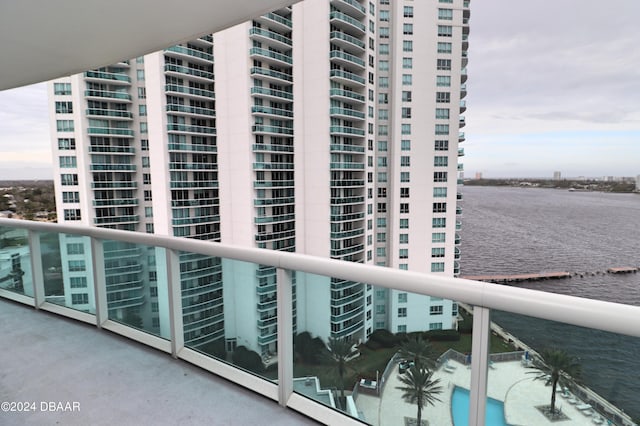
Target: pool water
column 460, row 409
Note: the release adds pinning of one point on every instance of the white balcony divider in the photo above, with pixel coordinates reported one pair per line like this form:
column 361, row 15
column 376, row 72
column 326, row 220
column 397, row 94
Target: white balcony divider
column 607, row 316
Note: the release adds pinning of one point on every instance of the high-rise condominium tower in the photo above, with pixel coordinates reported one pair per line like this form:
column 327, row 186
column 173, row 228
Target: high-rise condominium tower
column 329, row 128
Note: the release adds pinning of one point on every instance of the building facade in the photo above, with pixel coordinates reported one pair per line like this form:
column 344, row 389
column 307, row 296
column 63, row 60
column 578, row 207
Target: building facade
column 330, row 128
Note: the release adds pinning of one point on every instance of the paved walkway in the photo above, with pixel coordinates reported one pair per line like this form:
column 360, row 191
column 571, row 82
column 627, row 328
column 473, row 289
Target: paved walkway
column 112, row 380
column 508, row 382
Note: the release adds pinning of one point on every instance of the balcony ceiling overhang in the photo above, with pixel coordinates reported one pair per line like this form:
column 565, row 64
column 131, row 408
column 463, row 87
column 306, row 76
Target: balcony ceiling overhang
column 42, row 40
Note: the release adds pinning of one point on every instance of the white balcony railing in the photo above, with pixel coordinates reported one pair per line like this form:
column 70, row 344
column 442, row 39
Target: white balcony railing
column 28, row 239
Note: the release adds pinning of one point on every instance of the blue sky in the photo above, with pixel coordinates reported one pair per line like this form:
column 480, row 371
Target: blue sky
column 553, row 86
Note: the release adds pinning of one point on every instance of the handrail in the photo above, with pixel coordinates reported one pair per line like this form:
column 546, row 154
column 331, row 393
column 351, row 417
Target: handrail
column 596, row 314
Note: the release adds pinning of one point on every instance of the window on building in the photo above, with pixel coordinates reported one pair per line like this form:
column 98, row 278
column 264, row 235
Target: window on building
column 402, row 328
column 66, row 162
column 62, row 88
column 441, row 145
column 405, row 145
column 75, row 248
column 69, row 179
column 382, row 177
column 439, row 207
column 407, row 63
column 382, row 192
column 445, row 30
column 70, row 197
column 381, row 251
column 407, row 29
column 144, row 144
column 64, row 125
column 439, row 192
column 436, row 310
column 438, row 237
column 404, row 223
column 440, row 161
column 443, row 97
column 402, row 297
column 381, row 222
column 405, row 177
column 408, row 11
column 443, row 64
column 64, row 107
column 77, row 266
column 403, row 253
column 382, row 146
column 142, row 92
column 442, row 113
column 444, row 47
column 407, row 46
column 147, row 195
column 66, row 143
column 404, row 207
column 402, row 312
column 442, row 129
column 78, row 282
column 72, row 214
column 406, row 112
column 404, row 238
column 384, row 32
column 405, row 128
column 383, row 114
column 407, row 79
column 383, row 65
column 439, row 222
column 406, row 96
column 383, row 82
column 140, row 75
column 149, row 228
column 404, row 192
column 437, row 252
column 435, row 326
column 384, row 49
column 383, row 15
column 146, row 178
column 445, row 14
column 439, row 176
column 79, row 298
column 443, row 81
column 382, row 208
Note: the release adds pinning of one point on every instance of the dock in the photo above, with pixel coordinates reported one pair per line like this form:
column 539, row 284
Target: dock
column 505, row 279
column 626, row 270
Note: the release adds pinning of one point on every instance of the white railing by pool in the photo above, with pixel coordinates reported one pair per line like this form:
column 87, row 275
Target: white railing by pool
column 483, row 297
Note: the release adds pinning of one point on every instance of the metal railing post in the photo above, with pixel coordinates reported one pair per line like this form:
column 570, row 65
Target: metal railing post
column 285, row 335
column 479, row 365
column 99, row 282
column 175, row 301
column 37, row 274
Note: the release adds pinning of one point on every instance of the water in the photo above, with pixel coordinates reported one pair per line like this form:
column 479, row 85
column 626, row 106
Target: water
column 494, row 415
column 530, row 230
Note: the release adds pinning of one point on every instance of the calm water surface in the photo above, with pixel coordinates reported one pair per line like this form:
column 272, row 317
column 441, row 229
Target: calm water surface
column 530, row 230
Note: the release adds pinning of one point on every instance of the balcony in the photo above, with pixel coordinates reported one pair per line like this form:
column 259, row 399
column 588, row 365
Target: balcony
column 346, row 77
column 110, row 77
column 206, row 76
column 108, row 95
column 189, row 54
column 190, row 91
column 270, row 37
column 267, row 74
column 346, row 59
column 83, row 348
column 277, row 58
column 347, row 23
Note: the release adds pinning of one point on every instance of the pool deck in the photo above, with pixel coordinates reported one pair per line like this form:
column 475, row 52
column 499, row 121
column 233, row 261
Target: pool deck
column 509, row 382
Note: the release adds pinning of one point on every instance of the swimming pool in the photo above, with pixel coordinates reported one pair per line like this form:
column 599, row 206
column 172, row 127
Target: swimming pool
column 460, row 409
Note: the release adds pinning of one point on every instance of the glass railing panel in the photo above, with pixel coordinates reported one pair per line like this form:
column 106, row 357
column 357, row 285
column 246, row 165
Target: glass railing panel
column 137, row 290
column 598, row 380
column 229, row 312
column 362, row 357
column 67, row 271
column 15, row 261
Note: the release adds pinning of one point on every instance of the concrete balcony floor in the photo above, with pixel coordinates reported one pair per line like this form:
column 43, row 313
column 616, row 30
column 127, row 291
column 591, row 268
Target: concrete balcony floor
column 115, row 381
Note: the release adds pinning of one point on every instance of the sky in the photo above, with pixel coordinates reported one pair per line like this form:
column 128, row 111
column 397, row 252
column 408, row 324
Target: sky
column 553, row 86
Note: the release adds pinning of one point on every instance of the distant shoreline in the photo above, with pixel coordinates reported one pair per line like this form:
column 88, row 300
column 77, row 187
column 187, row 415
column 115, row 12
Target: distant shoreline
column 625, row 185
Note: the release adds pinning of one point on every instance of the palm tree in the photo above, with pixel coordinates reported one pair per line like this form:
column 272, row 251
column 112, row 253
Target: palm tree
column 419, row 388
column 340, row 350
column 556, row 366
column 417, row 349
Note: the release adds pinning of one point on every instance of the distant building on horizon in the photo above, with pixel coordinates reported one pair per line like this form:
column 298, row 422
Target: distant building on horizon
column 557, row 175
column 478, row 175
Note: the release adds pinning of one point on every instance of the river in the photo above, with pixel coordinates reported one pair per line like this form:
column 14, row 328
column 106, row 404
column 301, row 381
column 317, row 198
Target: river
column 529, row 230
